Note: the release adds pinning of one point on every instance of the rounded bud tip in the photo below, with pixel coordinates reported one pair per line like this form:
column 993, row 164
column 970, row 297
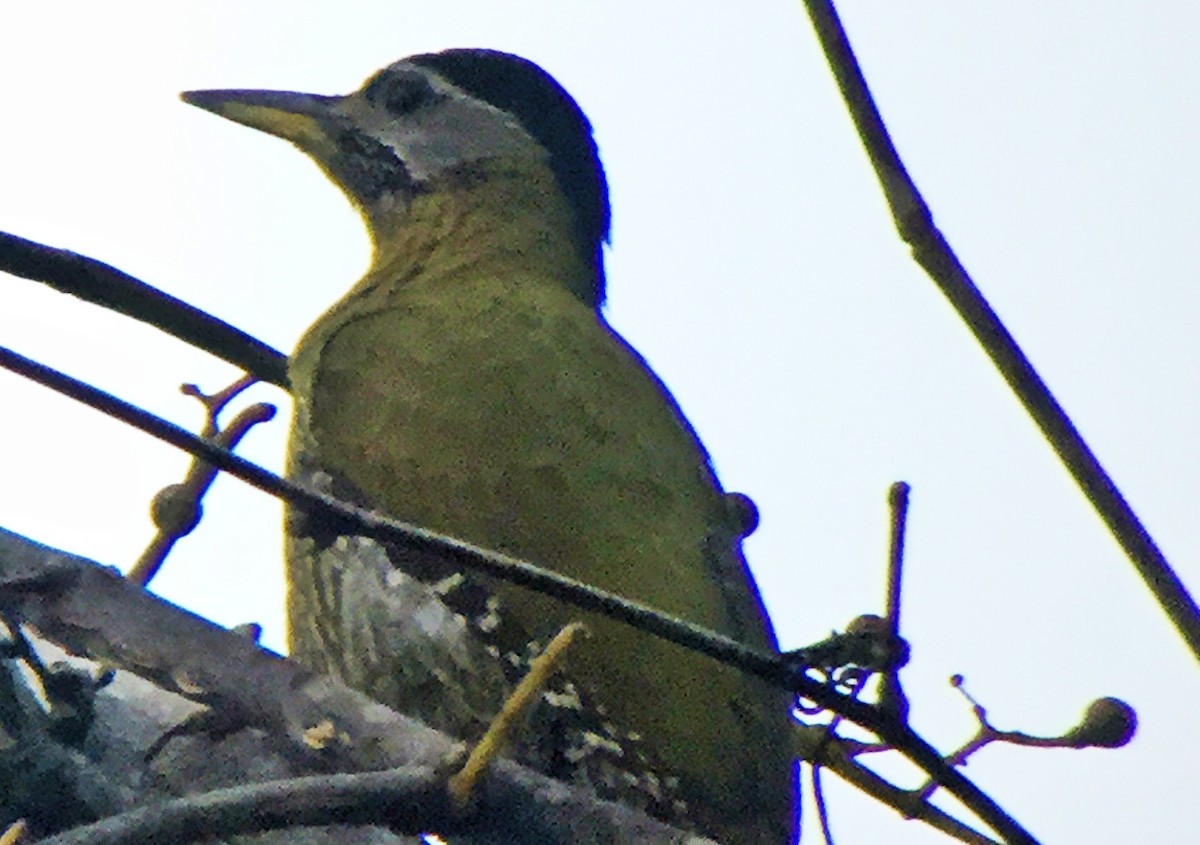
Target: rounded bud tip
column 1107, row 723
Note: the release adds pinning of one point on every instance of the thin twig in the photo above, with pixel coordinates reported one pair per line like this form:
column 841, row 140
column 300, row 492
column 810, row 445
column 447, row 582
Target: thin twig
column 101, row 284
column 837, row 755
column 772, row 667
column 931, row 250
column 898, row 504
column 177, row 508
column 15, row 833
column 492, row 743
column 407, row 800
column 372, row 524
column 822, row 809
column 891, row 692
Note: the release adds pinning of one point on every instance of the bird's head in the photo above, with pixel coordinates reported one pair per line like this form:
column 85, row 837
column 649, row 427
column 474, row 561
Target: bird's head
column 417, row 124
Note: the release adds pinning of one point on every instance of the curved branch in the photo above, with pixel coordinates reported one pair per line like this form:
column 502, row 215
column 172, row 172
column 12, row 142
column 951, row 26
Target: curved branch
column 104, row 285
column 301, row 724
column 408, row 800
column 931, row 250
column 772, row 667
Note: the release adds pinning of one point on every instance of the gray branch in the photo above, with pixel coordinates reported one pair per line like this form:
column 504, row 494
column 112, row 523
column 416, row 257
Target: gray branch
column 257, row 718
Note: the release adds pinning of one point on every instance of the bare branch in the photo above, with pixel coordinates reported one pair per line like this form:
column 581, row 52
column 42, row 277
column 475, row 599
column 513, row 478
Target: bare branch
column 101, row 284
column 931, row 250
column 176, row 510
column 91, row 610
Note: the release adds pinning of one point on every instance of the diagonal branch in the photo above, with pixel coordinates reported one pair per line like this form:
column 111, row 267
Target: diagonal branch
column 931, row 250
column 104, row 285
column 90, row 610
column 772, row 667
column 408, row 800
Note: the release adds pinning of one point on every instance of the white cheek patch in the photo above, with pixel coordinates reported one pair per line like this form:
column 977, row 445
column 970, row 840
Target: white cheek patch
column 453, row 132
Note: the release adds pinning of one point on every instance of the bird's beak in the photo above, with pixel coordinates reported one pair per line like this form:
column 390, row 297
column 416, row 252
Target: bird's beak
column 300, row 118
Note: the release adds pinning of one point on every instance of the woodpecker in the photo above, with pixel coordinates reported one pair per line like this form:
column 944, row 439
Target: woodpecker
column 470, row 383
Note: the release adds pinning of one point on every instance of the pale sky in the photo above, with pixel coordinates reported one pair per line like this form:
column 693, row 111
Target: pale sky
column 754, row 264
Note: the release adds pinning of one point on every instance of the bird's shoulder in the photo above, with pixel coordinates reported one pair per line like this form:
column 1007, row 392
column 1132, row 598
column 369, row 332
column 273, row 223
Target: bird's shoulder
column 489, row 347
column 442, row 397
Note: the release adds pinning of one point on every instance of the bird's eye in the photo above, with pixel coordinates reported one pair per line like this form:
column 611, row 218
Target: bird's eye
column 400, row 92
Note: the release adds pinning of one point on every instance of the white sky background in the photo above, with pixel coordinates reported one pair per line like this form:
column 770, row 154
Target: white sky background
column 754, row 264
